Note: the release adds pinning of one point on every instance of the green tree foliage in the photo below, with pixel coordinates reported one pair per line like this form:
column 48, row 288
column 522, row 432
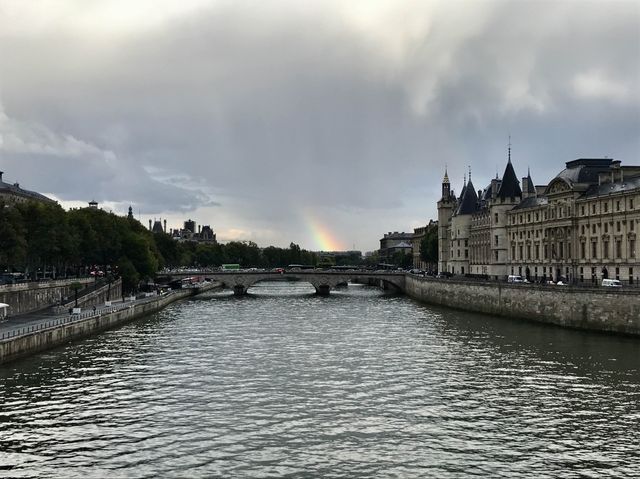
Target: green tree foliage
column 429, row 246
column 13, row 241
column 36, row 237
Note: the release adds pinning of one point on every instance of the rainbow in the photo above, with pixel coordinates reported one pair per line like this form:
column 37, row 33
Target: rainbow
column 323, row 239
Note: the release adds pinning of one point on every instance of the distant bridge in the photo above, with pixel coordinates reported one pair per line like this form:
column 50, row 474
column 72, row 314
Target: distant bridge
column 322, row 281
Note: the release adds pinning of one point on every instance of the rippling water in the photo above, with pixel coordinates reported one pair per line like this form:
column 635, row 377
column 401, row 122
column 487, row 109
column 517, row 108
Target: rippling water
column 360, row 383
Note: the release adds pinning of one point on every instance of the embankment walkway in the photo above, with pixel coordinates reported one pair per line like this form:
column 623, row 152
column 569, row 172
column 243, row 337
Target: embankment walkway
column 25, row 335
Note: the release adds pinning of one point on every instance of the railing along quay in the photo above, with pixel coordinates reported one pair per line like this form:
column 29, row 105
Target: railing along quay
column 71, row 319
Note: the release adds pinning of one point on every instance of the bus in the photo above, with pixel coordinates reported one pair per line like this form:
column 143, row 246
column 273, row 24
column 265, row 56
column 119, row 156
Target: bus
column 230, row 267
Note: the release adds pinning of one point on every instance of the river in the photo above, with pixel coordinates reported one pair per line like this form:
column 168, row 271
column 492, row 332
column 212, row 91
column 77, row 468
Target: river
column 358, row 384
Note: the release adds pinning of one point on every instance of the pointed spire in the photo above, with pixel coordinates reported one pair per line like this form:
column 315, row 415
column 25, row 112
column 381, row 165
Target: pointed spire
column 509, row 160
column 464, row 180
column 530, row 187
column 446, row 176
column 469, row 173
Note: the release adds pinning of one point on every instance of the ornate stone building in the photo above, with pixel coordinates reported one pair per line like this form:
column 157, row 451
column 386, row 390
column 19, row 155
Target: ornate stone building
column 13, row 193
column 581, row 227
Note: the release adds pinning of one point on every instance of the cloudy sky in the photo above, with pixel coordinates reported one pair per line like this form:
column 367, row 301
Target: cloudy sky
column 326, row 123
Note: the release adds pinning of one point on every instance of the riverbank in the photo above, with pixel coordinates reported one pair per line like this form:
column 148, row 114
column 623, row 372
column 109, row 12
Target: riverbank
column 32, row 339
column 607, row 310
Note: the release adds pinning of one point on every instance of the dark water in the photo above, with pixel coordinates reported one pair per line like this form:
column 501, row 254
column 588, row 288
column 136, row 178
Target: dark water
column 356, row 384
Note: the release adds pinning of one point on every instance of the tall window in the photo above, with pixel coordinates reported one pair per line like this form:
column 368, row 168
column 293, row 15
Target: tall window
column 606, row 206
column 583, row 250
column 594, row 250
column 632, row 248
column 496, row 217
column 496, row 239
column 605, row 249
column 618, row 249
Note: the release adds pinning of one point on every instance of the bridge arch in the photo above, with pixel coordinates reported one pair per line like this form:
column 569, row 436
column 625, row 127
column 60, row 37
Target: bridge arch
column 322, row 281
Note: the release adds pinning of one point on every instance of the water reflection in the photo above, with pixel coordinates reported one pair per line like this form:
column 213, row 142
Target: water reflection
column 361, row 383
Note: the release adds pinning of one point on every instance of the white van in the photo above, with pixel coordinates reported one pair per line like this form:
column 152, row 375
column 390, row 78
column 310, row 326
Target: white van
column 515, row 278
column 612, row 283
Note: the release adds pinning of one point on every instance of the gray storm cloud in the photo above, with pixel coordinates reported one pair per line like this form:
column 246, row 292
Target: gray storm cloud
column 290, row 109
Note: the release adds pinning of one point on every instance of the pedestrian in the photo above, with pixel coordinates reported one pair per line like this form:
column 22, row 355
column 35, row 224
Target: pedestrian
column 70, row 311
column 94, row 309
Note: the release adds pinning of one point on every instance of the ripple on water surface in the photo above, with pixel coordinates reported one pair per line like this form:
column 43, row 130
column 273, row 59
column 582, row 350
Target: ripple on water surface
column 360, row 383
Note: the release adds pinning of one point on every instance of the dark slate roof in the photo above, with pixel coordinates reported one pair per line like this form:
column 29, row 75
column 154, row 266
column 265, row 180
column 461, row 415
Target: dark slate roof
column 611, row 188
column 584, row 170
column 469, row 201
column 16, row 190
column 464, row 189
column 531, row 202
column 510, row 187
column 157, row 227
column 531, row 189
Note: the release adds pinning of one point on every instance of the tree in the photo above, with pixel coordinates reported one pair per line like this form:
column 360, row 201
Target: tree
column 129, row 275
column 13, row 243
column 75, row 286
column 429, row 246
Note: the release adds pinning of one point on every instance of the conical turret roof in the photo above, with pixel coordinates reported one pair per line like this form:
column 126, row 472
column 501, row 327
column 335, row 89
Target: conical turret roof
column 510, row 186
column 530, row 188
column 468, row 200
column 446, row 176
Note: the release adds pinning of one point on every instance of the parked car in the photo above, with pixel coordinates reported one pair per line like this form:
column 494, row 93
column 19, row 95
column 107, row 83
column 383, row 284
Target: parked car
column 514, row 278
column 612, row 283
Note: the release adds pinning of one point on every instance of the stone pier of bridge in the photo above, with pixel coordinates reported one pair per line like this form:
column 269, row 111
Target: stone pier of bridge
column 322, row 281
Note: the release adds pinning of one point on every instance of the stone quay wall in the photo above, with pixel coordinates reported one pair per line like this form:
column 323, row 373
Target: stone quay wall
column 94, row 298
column 611, row 310
column 47, row 338
column 28, row 297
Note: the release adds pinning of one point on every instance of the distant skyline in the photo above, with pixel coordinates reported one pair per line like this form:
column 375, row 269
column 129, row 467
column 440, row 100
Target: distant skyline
column 325, row 123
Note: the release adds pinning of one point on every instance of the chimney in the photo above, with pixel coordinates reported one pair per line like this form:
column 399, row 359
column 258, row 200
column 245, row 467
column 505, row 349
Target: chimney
column 199, row 228
column 494, row 188
column 1, row 173
column 150, row 225
column 165, row 225
column 525, row 187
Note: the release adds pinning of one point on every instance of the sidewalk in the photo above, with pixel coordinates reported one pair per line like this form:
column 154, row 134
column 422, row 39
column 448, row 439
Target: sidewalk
column 15, row 325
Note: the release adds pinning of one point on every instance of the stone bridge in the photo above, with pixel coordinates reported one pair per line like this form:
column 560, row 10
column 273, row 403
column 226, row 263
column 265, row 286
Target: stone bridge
column 322, row 281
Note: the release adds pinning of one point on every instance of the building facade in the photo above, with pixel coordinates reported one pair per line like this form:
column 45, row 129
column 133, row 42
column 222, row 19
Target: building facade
column 418, row 235
column 579, row 228
column 13, row 193
column 394, row 244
